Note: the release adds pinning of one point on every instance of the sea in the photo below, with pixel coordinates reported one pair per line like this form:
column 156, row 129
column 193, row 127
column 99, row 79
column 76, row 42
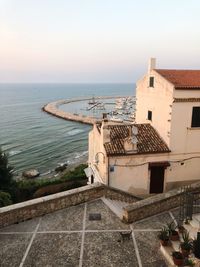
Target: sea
column 34, row 139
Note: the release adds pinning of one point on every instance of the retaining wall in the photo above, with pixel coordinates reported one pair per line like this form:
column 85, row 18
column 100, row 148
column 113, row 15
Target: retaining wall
column 43, row 205
column 155, row 204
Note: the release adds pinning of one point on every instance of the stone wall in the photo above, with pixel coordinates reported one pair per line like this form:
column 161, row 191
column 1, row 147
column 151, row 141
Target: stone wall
column 40, row 206
column 116, row 194
column 137, row 210
column 43, row 205
column 155, row 204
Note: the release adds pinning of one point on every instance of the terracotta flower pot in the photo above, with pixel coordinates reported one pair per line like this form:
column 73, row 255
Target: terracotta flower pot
column 174, row 236
column 185, row 252
column 178, row 262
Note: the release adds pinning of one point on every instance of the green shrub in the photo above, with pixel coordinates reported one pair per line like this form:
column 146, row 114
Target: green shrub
column 6, row 175
column 77, row 173
column 27, row 188
column 5, row 199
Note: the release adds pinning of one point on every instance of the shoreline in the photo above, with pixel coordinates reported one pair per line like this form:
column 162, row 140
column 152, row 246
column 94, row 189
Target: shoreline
column 56, row 175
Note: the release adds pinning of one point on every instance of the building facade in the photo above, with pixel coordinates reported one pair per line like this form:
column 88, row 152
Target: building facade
column 161, row 151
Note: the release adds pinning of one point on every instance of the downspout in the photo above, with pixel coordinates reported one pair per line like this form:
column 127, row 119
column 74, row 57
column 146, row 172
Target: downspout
column 108, row 173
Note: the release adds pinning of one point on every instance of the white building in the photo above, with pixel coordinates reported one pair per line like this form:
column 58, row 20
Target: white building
column 161, row 150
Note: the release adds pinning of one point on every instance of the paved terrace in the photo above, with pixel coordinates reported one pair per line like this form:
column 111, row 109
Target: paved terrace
column 68, row 238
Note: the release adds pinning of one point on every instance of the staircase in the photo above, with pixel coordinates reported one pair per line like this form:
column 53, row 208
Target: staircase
column 116, row 206
column 192, row 227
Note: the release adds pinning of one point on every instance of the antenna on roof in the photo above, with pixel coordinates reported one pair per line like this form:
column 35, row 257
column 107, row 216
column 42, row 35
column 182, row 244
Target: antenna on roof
column 134, row 130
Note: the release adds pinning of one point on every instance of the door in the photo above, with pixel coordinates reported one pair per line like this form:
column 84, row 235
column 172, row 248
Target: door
column 157, row 179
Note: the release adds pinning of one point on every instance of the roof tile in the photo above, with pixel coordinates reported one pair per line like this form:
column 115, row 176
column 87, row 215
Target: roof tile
column 149, row 141
column 182, row 79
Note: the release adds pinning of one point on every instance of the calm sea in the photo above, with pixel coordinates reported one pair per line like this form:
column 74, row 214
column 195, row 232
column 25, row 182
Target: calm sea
column 34, row 139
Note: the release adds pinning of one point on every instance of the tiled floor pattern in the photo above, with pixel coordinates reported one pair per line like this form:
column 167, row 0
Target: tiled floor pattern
column 68, row 238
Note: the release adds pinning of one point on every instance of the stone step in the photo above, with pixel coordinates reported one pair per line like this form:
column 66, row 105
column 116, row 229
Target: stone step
column 192, row 231
column 167, row 252
column 195, row 223
column 115, row 205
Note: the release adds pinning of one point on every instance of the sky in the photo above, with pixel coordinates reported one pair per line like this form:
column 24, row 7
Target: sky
column 96, row 40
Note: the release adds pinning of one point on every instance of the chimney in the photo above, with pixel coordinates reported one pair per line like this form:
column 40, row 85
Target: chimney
column 152, row 64
column 105, row 131
column 105, row 118
column 130, row 143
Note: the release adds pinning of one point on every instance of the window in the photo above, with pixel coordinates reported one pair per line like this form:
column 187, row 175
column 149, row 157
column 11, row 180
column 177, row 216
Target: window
column 149, row 115
column 196, row 117
column 151, row 82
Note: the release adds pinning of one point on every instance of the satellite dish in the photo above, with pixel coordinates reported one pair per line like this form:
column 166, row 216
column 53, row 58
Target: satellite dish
column 134, row 130
column 134, row 140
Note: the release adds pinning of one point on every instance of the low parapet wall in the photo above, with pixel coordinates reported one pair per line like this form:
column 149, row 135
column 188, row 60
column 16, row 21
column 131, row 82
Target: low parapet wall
column 137, row 210
column 155, row 204
column 43, row 205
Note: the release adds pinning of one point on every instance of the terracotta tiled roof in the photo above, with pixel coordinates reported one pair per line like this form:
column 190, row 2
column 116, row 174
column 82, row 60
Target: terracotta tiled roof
column 187, row 99
column 149, row 140
column 182, row 79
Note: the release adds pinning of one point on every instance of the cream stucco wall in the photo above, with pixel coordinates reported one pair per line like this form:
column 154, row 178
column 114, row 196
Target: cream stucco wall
column 97, row 155
column 136, row 179
column 184, row 139
column 157, row 99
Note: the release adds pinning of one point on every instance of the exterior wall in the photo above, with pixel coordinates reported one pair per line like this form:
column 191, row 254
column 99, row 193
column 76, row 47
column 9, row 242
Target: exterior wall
column 157, row 99
column 97, row 152
column 136, row 180
column 184, row 139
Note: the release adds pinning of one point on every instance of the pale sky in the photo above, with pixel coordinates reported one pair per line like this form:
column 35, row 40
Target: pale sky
column 96, row 40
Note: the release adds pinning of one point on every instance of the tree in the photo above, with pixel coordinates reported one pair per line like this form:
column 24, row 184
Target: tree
column 6, row 176
column 5, row 199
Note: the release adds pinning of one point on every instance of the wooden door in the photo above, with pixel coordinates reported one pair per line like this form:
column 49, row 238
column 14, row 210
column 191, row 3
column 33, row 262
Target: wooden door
column 157, row 179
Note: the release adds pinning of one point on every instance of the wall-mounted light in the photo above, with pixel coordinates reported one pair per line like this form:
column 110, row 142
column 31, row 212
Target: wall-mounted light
column 96, row 158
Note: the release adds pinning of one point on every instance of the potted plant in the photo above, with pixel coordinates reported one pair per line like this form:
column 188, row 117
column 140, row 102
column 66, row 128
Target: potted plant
column 178, row 258
column 186, row 245
column 164, row 236
column 196, row 246
column 189, row 262
column 173, row 234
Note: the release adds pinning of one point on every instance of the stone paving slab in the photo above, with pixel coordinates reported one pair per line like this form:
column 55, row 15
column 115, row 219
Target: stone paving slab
column 104, row 249
column 154, row 222
column 149, row 249
column 56, row 244
column 108, row 219
column 27, row 226
column 54, row 250
column 63, row 220
column 12, row 247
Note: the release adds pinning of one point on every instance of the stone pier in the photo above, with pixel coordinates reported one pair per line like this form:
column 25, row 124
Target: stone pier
column 53, row 109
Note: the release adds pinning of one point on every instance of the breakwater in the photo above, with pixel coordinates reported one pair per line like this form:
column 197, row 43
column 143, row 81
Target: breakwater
column 53, row 109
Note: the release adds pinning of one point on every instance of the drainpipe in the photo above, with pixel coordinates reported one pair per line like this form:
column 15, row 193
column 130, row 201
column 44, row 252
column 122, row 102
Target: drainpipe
column 108, row 173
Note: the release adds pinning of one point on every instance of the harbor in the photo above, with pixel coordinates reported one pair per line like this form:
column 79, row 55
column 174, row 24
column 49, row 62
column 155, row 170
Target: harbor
column 121, row 109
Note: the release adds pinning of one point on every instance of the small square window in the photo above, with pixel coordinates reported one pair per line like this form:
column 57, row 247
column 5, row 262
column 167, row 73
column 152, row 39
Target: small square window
column 149, row 115
column 112, row 168
column 195, row 117
column 151, row 82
